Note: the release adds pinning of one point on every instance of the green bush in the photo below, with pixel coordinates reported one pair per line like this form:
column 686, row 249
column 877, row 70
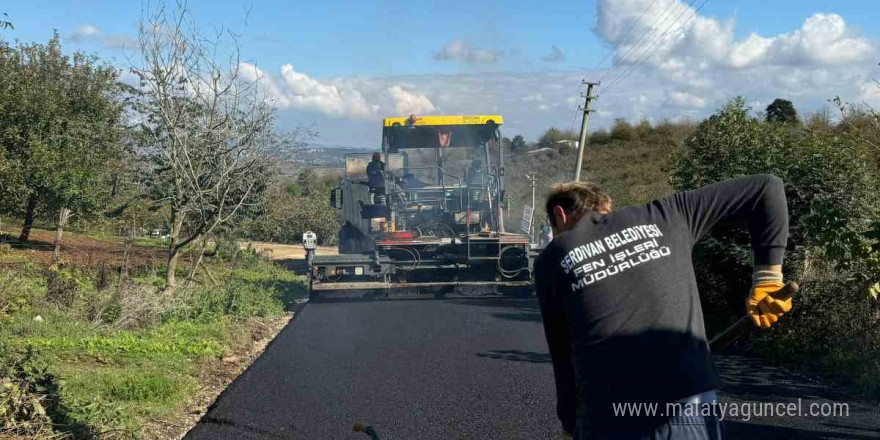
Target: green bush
column 65, row 284
column 22, row 289
column 834, row 207
column 623, row 131
column 28, row 392
column 832, row 195
column 290, row 207
column 600, row 137
column 644, row 130
column 236, row 298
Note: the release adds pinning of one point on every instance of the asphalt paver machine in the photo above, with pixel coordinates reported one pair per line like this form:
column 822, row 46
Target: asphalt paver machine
column 437, row 226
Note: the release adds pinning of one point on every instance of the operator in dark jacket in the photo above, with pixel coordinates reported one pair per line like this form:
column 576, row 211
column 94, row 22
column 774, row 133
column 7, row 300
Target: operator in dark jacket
column 376, row 177
column 621, row 310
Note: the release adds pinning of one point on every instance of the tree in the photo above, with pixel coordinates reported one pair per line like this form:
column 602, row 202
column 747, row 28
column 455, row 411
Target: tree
column 505, row 143
column 622, row 130
column 62, row 120
column 833, row 252
column 518, row 144
column 644, row 129
column 782, row 111
column 832, row 194
column 287, row 210
column 210, row 135
column 5, row 24
column 553, row 136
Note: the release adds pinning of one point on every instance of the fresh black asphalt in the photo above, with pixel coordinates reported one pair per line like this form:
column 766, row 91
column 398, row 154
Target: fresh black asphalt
column 462, row 368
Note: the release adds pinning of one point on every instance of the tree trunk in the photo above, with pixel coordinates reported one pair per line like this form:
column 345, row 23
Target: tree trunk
column 195, row 265
column 114, row 186
column 63, row 216
column 28, row 218
column 173, row 251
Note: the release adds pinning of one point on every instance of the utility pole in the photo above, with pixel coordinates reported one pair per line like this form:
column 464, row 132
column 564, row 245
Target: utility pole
column 583, row 141
column 533, row 178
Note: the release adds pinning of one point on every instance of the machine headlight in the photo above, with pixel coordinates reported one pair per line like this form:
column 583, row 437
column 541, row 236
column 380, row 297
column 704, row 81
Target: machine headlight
column 359, row 270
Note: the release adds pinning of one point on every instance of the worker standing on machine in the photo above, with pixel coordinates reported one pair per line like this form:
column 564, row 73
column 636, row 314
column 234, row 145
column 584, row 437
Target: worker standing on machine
column 622, row 314
column 376, row 179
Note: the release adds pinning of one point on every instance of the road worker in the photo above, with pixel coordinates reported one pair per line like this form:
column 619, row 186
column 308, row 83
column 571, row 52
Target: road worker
column 621, row 311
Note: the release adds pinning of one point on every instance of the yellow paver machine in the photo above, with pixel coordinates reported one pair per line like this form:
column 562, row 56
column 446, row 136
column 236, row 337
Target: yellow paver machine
column 431, row 221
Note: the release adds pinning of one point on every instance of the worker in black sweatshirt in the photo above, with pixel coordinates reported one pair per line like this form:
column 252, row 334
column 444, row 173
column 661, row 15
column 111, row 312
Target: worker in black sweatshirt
column 622, row 314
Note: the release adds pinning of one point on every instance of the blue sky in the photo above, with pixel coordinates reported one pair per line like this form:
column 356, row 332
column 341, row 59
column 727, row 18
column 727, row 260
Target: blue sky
column 494, row 56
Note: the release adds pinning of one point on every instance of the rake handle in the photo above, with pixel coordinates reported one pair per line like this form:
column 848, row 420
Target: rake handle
column 745, row 325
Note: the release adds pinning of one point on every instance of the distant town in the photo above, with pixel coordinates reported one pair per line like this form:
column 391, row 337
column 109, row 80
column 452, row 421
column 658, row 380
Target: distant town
column 322, row 156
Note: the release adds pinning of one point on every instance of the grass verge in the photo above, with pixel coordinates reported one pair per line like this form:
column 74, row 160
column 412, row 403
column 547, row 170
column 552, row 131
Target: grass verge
column 87, row 359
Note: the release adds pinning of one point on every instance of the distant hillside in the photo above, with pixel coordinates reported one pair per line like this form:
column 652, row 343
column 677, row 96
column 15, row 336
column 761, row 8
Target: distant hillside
column 323, row 157
column 325, row 160
column 629, row 163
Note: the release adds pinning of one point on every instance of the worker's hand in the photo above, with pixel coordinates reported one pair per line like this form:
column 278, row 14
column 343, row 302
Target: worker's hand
column 762, row 308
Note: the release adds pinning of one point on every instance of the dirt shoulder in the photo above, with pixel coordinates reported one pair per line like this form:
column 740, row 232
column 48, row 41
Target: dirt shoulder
column 82, row 250
column 287, row 251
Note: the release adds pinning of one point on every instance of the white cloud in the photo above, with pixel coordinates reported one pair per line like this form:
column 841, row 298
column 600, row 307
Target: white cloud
column 554, row 56
column 686, row 63
column 679, row 38
column 90, row 34
column 343, row 97
column 460, row 50
column 406, row 102
column 84, row 31
column 870, row 93
column 685, row 99
column 305, row 92
column 640, row 99
column 700, row 67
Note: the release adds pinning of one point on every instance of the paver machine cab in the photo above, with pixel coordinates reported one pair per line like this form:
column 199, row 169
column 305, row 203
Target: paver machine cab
column 438, row 224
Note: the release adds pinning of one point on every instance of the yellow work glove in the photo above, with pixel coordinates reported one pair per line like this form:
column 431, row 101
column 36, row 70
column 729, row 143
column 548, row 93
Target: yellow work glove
column 761, row 307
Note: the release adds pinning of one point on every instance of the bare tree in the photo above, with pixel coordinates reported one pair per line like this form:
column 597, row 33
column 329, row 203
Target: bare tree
column 5, row 24
column 210, row 135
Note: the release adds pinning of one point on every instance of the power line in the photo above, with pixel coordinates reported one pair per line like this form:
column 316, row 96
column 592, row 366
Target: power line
column 657, row 47
column 651, row 29
column 659, row 41
column 628, row 32
column 608, row 54
column 623, row 77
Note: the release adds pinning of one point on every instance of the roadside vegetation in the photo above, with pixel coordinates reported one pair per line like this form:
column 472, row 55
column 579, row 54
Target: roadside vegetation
column 629, row 161
column 831, row 175
column 124, row 291
column 292, row 205
column 101, row 351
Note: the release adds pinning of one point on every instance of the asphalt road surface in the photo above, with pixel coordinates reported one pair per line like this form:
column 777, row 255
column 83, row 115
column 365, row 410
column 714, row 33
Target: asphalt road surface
column 465, row 368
